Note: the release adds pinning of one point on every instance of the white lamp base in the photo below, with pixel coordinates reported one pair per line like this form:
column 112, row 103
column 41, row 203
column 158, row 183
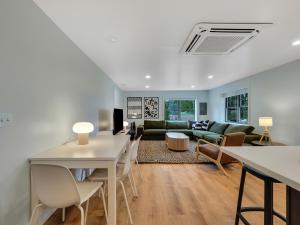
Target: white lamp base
column 83, row 139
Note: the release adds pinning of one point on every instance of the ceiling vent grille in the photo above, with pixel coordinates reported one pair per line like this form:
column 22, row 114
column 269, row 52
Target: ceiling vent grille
column 220, row 38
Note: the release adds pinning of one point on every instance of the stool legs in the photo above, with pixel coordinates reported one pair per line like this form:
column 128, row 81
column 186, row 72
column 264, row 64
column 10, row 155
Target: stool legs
column 268, row 209
column 268, row 202
column 240, row 198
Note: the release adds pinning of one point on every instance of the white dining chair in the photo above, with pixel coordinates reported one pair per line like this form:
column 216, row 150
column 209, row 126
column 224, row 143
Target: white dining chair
column 56, row 188
column 134, row 148
column 123, row 172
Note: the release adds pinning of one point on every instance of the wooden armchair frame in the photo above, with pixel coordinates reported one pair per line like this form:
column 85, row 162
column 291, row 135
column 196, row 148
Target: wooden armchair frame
column 217, row 161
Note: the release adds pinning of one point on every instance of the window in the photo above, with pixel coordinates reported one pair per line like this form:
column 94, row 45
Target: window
column 180, row 109
column 236, row 108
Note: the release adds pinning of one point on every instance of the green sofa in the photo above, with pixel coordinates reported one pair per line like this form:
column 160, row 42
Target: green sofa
column 156, row 130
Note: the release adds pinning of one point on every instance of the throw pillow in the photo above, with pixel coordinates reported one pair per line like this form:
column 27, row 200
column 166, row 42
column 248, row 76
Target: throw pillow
column 202, row 125
column 192, row 124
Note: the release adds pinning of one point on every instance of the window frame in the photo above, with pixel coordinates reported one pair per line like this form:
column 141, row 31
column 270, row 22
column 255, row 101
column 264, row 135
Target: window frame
column 238, row 108
column 181, row 99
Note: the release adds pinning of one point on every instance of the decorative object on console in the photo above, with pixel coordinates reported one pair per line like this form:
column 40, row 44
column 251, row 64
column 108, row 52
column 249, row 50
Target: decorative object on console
column 134, row 107
column 266, row 122
column 83, row 129
column 151, row 107
column 125, row 124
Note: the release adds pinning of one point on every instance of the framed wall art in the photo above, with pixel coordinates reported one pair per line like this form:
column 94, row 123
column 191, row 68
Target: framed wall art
column 134, row 107
column 151, row 107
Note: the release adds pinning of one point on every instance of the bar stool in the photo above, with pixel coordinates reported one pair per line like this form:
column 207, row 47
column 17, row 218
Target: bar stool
column 268, row 209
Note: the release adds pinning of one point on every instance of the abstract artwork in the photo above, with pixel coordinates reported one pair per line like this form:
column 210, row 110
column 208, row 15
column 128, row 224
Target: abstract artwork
column 134, row 107
column 151, row 107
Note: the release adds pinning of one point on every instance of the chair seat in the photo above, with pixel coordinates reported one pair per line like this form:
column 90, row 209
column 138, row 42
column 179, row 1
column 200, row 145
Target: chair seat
column 87, row 190
column 209, row 150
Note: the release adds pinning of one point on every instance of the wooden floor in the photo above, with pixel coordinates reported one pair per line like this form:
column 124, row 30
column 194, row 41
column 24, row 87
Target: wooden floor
column 184, row 195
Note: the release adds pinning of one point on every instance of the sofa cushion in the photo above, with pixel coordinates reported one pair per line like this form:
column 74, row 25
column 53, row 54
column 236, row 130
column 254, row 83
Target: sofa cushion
column 154, row 132
column 233, row 128
column 218, row 128
column 154, row 124
column 185, row 131
column 213, row 138
column 177, row 124
column 201, row 133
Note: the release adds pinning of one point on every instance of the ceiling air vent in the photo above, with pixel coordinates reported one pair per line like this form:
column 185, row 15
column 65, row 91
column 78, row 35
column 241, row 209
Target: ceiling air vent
column 220, row 38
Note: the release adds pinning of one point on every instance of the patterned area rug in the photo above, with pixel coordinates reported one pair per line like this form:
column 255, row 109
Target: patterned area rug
column 157, row 152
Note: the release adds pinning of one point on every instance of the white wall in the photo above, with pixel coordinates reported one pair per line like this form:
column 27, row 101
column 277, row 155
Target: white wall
column 199, row 96
column 275, row 93
column 47, row 84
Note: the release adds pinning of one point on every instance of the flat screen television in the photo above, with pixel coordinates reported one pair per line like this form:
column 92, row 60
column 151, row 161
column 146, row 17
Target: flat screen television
column 117, row 121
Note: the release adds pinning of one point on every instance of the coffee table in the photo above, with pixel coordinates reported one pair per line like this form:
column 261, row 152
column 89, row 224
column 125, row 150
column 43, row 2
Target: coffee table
column 177, row 141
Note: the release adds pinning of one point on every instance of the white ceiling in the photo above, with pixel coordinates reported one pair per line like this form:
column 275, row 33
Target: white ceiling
column 128, row 39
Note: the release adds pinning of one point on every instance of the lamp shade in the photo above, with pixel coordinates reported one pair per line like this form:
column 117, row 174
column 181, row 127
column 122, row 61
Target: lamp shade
column 265, row 121
column 83, row 128
column 125, row 123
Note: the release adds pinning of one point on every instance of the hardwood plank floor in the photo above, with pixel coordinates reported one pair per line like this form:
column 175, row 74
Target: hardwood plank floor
column 189, row 194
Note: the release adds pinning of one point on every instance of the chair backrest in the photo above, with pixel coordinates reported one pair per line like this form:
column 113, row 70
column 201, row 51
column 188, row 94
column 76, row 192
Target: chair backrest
column 135, row 148
column 232, row 139
column 55, row 185
column 128, row 156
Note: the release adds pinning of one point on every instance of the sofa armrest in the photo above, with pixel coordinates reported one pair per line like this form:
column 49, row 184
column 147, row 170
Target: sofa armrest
column 140, row 130
column 252, row 137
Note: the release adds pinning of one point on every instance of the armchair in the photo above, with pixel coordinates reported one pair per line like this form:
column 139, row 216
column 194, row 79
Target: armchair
column 213, row 152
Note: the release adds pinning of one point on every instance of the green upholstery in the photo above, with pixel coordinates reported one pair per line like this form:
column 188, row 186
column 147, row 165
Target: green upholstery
column 218, row 128
column 201, row 133
column 177, row 124
column 154, row 124
column 213, row 138
column 185, row 131
column 154, row 132
column 233, row 128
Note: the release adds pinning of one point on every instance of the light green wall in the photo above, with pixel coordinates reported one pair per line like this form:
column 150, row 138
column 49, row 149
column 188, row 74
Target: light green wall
column 273, row 93
column 47, row 84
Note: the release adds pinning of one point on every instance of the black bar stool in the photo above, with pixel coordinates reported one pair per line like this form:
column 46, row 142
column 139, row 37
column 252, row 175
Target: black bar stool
column 268, row 209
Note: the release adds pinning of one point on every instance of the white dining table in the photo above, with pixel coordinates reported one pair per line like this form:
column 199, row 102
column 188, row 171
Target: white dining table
column 279, row 162
column 102, row 151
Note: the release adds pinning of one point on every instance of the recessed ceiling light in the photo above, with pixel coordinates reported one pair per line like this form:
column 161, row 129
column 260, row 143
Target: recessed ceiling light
column 193, row 86
column 147, row 86
column 148, row 76
column 296, row 43
column 210, row 77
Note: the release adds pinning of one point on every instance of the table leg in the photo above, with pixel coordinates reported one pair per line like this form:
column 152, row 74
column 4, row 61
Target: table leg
column 292, row 206
column 112, row 199
column 33, row 197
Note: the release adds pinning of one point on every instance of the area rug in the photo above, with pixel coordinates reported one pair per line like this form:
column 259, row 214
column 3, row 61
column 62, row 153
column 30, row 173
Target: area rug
column 157, row 152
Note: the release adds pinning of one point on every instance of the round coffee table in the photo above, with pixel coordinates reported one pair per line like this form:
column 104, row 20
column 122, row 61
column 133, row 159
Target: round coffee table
column 177, row 141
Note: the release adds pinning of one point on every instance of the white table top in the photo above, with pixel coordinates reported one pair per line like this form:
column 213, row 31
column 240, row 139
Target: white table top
column 100, row 147
column 176, row 135
column 279, row 162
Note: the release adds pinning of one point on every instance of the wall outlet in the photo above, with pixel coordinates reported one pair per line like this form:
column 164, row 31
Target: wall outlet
column 5, row 119
column 1, row 120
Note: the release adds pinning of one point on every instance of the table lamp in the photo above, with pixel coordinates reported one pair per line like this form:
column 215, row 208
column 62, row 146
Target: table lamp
column 82, row 129
column 125, row 124
column 265, row 122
